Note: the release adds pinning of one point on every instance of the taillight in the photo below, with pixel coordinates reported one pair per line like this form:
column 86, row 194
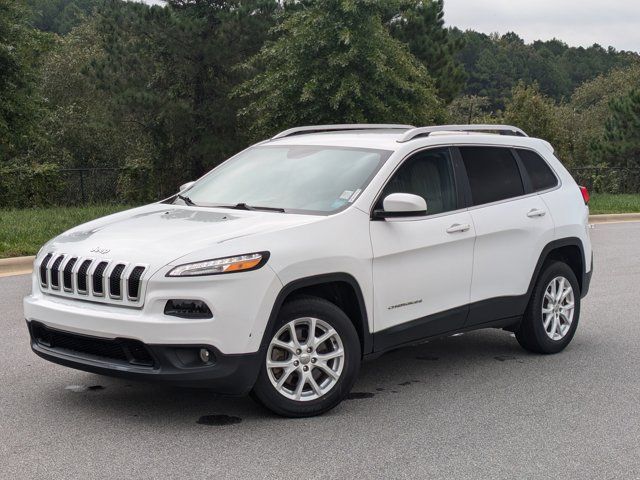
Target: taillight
column 585, row 195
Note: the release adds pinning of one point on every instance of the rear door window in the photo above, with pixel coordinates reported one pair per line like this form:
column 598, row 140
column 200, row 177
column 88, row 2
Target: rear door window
column 493, row 174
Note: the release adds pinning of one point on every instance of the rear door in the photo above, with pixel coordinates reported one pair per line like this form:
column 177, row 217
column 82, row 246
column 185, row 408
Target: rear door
column 422, row 265
column 512, row 226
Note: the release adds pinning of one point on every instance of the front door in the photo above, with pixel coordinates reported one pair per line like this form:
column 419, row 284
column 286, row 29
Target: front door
column 422, row 265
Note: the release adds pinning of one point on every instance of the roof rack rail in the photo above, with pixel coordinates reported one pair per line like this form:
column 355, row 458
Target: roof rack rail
column 339, row 128
column 426, row 131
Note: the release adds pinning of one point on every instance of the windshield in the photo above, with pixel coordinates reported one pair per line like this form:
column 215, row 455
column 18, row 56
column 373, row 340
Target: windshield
column 305, row 179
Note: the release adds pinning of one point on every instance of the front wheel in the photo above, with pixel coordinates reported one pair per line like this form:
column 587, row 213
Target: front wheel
column 551, row 318
column 312, row 359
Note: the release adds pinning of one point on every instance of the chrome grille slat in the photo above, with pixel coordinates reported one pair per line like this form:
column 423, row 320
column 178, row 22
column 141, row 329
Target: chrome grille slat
column 133, row 283
column 55, row 272
column 90, row 279
column 44, row 280
column 98, row 279
column 115, row 281
column 82, row 278
column 67, row 275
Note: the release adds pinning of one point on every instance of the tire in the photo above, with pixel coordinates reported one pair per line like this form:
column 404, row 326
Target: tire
column 329, row 389
column 537, row 328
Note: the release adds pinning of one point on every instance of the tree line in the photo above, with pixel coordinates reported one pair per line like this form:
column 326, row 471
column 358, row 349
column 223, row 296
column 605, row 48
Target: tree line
column 166, row 93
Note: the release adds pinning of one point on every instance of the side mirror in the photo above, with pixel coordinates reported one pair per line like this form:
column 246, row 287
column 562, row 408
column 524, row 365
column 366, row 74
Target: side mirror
column 401, row 205
column 185, row 186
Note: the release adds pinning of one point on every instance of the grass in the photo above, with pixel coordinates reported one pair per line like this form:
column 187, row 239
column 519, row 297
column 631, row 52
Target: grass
column 24, row 231
column 610, row 203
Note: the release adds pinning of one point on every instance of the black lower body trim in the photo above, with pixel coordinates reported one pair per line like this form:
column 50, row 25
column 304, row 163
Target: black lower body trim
column 425, row 327
column 496, row 309
column 500, row 312
column 172, row 364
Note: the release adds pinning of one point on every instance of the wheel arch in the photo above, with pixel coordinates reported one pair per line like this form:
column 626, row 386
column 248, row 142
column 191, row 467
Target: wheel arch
column 569, row 250
column 339, row 288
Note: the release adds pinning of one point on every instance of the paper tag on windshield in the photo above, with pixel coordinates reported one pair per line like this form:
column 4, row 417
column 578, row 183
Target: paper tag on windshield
column 346, row 195
column 354, row 196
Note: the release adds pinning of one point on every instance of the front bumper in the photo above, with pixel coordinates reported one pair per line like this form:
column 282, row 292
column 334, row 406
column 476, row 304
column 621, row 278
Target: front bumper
column 128, row 358
column 236, row 326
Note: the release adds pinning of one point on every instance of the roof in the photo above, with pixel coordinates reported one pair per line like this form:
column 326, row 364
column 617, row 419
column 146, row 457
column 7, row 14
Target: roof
column 390, row 137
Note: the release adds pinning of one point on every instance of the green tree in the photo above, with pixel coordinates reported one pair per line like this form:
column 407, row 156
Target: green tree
column 81, row 127
column 60, row 16
column 539, row 116
column 590, row 102
column 621, row 142
column 20, row 48
column 420, row 25
column 334, row 61
column 495, row 64
column 469, row 109
column 170, row 71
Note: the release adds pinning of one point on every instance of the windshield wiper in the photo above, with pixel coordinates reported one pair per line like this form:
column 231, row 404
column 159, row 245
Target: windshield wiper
column 244, row 206
column 187, row 200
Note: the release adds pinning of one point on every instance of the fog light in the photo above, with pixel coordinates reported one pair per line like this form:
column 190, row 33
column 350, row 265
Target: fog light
column 187, row 309
column 204, row 355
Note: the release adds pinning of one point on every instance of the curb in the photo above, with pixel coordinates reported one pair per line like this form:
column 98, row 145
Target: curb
column 16, row 266
column 24, row 265
column 615, row 218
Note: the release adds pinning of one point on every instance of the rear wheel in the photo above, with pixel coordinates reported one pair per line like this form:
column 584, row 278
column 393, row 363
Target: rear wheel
column 312, row 359
column 552, row 315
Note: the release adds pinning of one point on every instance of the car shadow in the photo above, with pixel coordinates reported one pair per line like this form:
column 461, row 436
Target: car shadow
column 418, row 366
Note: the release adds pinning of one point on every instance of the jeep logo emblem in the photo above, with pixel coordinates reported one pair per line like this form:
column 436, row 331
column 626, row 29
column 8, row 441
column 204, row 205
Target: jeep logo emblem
column 101, row 251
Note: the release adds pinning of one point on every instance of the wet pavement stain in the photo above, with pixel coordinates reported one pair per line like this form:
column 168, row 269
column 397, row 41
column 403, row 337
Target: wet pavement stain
column 431, row 358
column 403, row 384
column 83, row 388
column 218, row 420
column 380, row 389
column 504, row 358
column 359, row 395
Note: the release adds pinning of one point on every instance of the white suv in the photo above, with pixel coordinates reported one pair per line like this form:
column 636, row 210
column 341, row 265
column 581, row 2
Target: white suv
column 282, row 269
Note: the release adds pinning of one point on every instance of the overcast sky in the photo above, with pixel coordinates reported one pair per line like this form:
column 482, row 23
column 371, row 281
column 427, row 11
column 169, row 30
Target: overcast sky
column 576, row 22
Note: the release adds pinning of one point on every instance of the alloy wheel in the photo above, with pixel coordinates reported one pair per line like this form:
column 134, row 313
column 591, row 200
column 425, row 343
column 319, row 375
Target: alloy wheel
column 305, row 359
column 558, row 307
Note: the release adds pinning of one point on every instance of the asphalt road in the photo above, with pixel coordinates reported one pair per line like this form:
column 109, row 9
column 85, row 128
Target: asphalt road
column 470, row 406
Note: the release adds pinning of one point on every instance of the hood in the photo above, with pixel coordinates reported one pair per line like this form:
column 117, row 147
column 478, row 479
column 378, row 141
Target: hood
column 159, row 234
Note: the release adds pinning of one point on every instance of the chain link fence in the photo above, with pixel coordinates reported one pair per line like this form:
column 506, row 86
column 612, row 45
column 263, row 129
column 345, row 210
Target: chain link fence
column 27, row 187
column 601, row 179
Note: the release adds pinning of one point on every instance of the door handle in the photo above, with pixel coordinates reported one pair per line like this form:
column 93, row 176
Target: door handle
column 536, row 212
column 457, row 227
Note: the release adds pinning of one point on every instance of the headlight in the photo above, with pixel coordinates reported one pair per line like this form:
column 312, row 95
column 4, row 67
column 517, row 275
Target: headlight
column 239, row 263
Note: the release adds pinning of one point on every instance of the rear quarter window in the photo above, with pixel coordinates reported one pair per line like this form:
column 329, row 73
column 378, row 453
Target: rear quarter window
column 540, row 174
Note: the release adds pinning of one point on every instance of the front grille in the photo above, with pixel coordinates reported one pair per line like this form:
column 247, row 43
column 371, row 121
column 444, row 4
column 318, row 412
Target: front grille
column 119, row 350
column 95, row 280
